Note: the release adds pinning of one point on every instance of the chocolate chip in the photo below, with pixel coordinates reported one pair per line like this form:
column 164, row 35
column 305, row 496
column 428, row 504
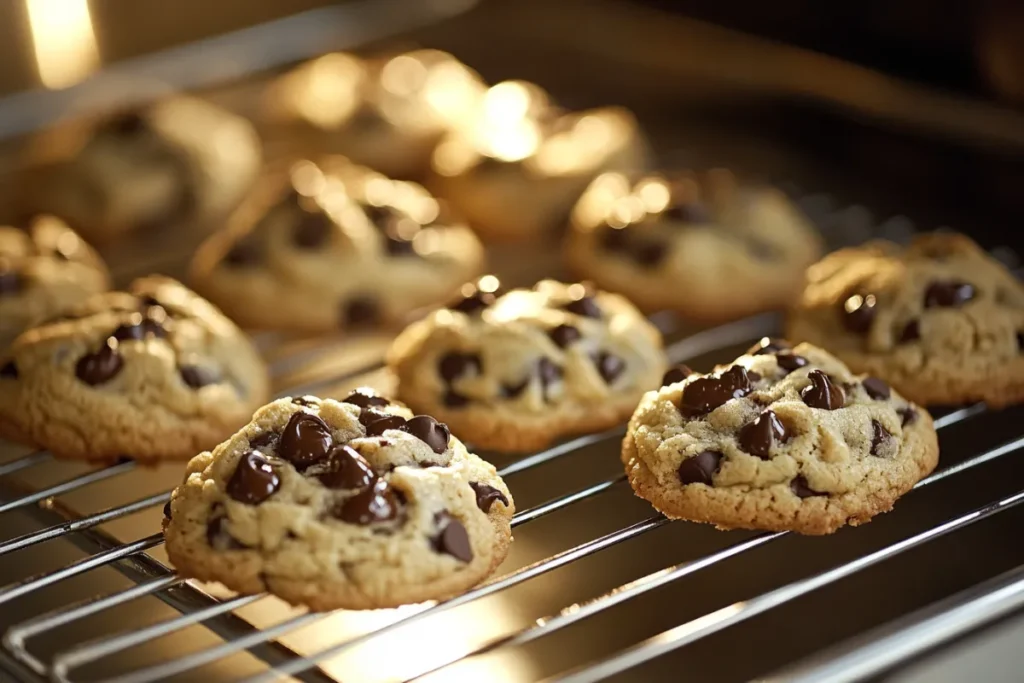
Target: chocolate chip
column 768, row 345
column 822, row 392
column 365, row 397
column 676, row 374
column 907, row 415
column 700, row 468
column 690, row 212
column 376, row 503
column 859, row 312
column 548, row 372
column 102, row 366
column 139, row 330
column 586, row 306
column 649, row 253
column 609, row 365
column 911, row 332
column 1020, row 341
column 876, row 388
column 880, row 435
column 345, row 469
column 800, row 488
column 369, row 415
column 244, row 253
column 513, row 390
column 454, row 399
column 486, row 495
column 453, row 539
column 218, row 537
column 360, row 311
column 10, row 282
column 762, row 250
column 757, row 437
column 705, row 394
column 254, row 479
column 264, row 440
column 167, row 510
column 306, row 401
column 614, row 239
column 563, row 335
column 753, row 376
column 378, row 427
column 790, row 362
column 306, row 439
column 431, row 432
column 9, row 370
column 948, row 294
column 126, row 124
column 398, row 246
column 454, row 365
column 474, row 301
column 313, row 230
column 197, row 376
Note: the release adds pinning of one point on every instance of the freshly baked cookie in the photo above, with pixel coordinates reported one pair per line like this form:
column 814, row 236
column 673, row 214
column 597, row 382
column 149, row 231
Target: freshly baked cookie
column 940, row 320
column 332, row 246
column 173, row 164
column 516, row 169
column 45, row 269
column 514, row 371
column 155, row 373
column 352, row 504
column 782, row 439
column 699, row 244
column 387, row 114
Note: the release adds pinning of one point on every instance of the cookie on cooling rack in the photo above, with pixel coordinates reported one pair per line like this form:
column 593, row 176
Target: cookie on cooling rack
column 697, row 243
column 514, row 371
column 45, row 269
column 516, row 168
column 354, row 504
column 333, row 246
column 785, row 439
column 172, row 164
column 940, row 320
column 385, row 113
column 155, row 373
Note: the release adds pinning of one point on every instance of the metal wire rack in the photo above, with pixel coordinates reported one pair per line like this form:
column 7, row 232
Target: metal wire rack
column 195, row 606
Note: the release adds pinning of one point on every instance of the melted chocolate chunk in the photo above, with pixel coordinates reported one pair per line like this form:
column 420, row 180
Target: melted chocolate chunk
column 703, row 395
column 649, row 253
column 910, row 332
column 768, row 345
column 548, row 372
column 876, row 388
column 822, row 392
column 254, row 479
column 859, row 312
column 475, row 301
column 305, row 401
column 196, row 376
column 360, row 311
column 675, row 374
column 264, row 440
column 398, row 246
column 753, row 376
column 369, row 415
column 908, row 415
column 454, row 365
column 346, row 469
column 757, row 437
column 10, row 282
column 364, row 398
column 690, row 212
column 453, row 539
column 428, row 430
column 167, row 510
column 313, row 230
column 378, row 427
column 486, row 495
column 9, row 370
column 244, row 253
column 614, row 239
column 948, row 294
column 1020, row 341
column 376, row 503
column 762, row 250
column 126, row 124
column 306, row 439
column 700, row 468
column 800, row 488
column 140, row 330
column 454, row 399
column 563, row 335
column 219, row 538
column 585, row 306
column 880, row 435
column 790, row 362
column 609, row 365
column 513, row 390
column 102, row 366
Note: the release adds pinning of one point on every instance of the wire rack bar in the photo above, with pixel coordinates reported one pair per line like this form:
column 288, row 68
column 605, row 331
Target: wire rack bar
column 565, row 501
column 960, row 415
column 29, row 460
column 82, row 523
column 692, row 631
column 70, row 485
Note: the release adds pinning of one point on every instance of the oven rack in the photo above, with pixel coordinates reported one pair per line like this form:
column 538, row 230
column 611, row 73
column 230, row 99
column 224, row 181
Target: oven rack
column 195, row 607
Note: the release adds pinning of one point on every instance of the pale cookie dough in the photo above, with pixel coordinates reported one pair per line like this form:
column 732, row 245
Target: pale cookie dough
column 940, row 320
column 784, row 439
column 387, row 113
column 331, row 246
column 700, row 244
column 353, row 504
column 45, row 269
column 155, row 373
column 514, row 371
column 518, row 166
column 173, row 164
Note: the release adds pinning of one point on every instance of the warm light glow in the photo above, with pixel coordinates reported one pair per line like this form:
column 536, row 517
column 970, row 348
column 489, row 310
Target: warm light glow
column 655, row 195
column 506, row 103
column 65, row 44
column 327, row 91
column 307, row 178
column 488, row 283
column 403, row 76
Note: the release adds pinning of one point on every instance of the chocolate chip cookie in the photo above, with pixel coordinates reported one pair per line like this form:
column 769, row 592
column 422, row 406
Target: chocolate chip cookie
column 785, row 439
column 45, row 269
column 940, row 320
column 332, row 246
column 514, row 371
column 172, row 164
column 354, row 504
column 154, row 373
column 516, row 168
column 701, row 244
column 387, row 113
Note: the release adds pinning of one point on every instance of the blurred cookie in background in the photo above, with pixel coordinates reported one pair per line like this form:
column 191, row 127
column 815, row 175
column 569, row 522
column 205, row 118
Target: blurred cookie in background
column 387, row 114
column 45, row 269
column 326, row 246
column 702, row 244
column 174, row 164
column 517, row 168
